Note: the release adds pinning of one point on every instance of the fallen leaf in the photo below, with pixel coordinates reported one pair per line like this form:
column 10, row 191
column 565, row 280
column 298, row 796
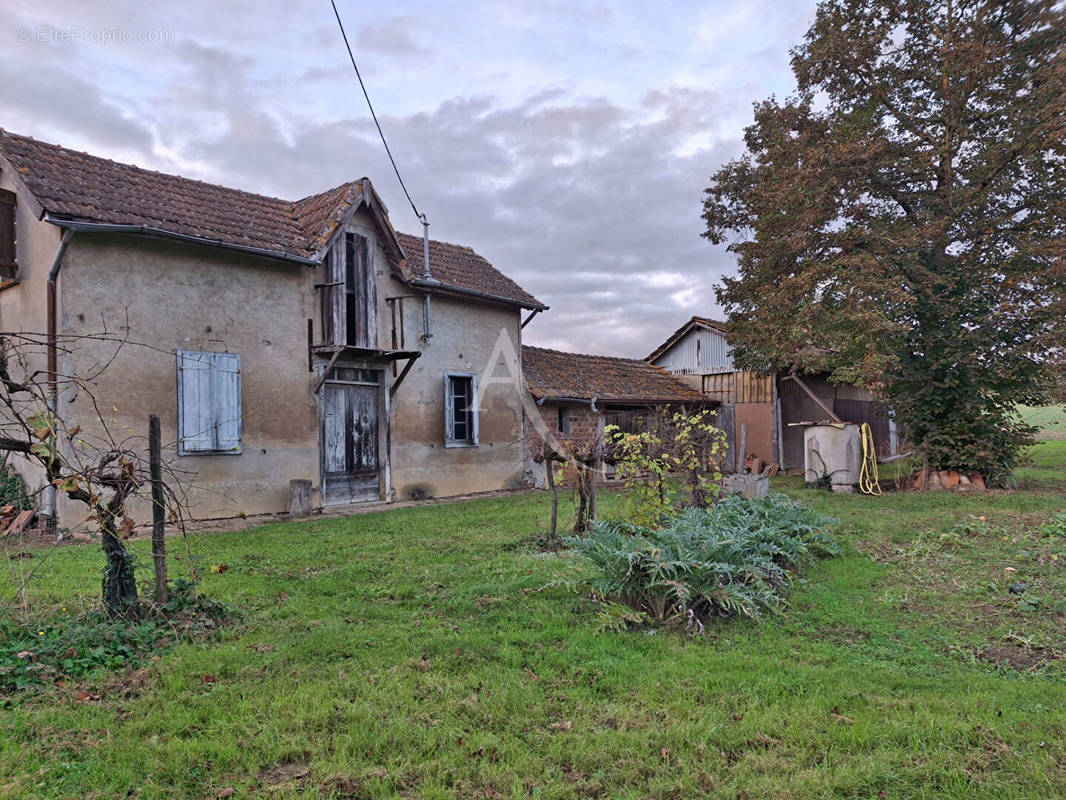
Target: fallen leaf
column 566, row 725
column 839, row 718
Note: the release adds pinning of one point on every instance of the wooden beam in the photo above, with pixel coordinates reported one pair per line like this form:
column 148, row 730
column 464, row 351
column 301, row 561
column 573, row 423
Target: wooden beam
column 407, row 368
column 322, row 378
column 813, row 396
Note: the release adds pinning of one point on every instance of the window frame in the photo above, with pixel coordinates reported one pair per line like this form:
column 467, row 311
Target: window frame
column 9, row 204
column 472, row 440
column 563, row 421
column 213, row 370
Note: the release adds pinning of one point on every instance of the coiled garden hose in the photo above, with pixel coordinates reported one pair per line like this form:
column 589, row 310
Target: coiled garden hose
column 868, row 473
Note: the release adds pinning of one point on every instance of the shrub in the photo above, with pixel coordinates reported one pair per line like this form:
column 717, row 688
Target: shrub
column 668, row 444
column 75, row 647
column 31, row 656
column 736, row 558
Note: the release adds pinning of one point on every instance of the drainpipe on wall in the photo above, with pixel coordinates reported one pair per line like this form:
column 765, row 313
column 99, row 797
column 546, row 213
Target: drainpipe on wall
column 427, row 332
column 53, row 359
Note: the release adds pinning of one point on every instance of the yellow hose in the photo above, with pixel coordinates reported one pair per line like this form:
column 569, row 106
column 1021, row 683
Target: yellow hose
column 868, row 473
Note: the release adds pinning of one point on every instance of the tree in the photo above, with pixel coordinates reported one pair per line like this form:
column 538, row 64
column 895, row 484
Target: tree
column 95, row 466
column 901, row 220
column 668, row 444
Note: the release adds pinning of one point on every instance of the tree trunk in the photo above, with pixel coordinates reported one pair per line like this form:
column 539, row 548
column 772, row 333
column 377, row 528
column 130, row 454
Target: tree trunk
column 593, row 510
column 550, row 465
column 582, row 501
column 119, row 586
column 159, row 547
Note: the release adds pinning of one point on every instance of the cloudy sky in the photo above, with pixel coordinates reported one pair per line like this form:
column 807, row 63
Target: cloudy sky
column 568, row 141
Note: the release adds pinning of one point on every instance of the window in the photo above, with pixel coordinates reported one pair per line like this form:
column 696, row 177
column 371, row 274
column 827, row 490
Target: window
column 8, row 264
column 353, row 375
column 209, row 402
column 460, row 410
column 564, row 420
column 349, row 295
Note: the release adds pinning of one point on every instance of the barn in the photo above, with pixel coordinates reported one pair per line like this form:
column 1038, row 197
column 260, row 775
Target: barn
column 769, row 409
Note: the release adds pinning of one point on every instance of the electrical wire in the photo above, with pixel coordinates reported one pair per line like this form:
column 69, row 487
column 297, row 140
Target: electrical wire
column 336, row 13
column 868, row 483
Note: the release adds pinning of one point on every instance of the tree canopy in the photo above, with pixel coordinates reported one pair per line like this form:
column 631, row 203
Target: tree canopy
column 900, row 220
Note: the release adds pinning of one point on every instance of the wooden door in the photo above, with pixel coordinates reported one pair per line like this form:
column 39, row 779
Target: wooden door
column 350, row 443
column 797, row 409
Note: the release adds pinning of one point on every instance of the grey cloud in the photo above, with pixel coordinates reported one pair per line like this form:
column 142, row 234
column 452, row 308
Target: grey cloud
column 392, row 37
column 579, row 199
column 52, row 102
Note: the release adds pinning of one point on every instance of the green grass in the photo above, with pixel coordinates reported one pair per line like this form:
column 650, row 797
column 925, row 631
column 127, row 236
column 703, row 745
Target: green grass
column 1050, row 419
column 427, row 652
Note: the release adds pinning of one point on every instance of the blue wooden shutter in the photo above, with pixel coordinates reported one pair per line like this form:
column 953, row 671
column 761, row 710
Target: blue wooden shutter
column 196, row 427
column 226, row 397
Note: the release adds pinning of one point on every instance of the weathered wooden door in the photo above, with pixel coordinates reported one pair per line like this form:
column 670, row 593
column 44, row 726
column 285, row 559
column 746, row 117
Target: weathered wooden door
column 350, row 443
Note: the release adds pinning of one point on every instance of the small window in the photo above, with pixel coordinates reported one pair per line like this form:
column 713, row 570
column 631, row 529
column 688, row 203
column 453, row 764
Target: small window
column 353, row 375
column 460, row 410
column 209, row 402
column 8, row 236
column 564, row 420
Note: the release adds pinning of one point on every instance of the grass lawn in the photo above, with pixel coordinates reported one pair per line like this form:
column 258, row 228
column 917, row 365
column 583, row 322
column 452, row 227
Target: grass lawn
column 428, row 652
column 1050, row 419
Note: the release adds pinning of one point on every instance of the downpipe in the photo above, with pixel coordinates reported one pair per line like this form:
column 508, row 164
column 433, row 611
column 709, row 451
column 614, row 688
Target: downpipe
column 49, row 504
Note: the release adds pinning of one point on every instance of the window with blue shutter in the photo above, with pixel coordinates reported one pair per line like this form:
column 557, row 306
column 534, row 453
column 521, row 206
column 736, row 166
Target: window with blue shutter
column 209, row 402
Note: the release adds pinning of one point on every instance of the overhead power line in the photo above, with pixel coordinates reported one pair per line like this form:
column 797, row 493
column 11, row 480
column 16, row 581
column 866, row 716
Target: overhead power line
column 370, row 105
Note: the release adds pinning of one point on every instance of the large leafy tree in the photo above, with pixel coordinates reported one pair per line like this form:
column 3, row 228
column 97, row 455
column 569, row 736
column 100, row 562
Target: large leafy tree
column 900, row 221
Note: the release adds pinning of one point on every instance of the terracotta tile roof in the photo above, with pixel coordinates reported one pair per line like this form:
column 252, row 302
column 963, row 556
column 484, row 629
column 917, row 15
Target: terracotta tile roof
column 457, row 265
column 77, row 186
column 317, row 215
column 554, row 374
column 83, row 187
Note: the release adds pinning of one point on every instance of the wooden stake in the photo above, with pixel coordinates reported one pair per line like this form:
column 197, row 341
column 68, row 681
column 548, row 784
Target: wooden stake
column 159, row 547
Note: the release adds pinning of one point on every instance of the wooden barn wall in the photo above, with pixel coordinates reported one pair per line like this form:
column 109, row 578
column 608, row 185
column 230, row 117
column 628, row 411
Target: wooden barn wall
column 698, row 352
column 739, row 387
column 823, row 388
column 851, row 403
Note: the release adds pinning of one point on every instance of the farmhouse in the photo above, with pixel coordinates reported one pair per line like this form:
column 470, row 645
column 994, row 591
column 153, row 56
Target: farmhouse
column 276, row 339
column 770, row 407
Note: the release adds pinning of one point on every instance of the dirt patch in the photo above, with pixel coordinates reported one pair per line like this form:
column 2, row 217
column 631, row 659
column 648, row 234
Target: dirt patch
column 343, row 787
column 1016, row 656
column 285, row 772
